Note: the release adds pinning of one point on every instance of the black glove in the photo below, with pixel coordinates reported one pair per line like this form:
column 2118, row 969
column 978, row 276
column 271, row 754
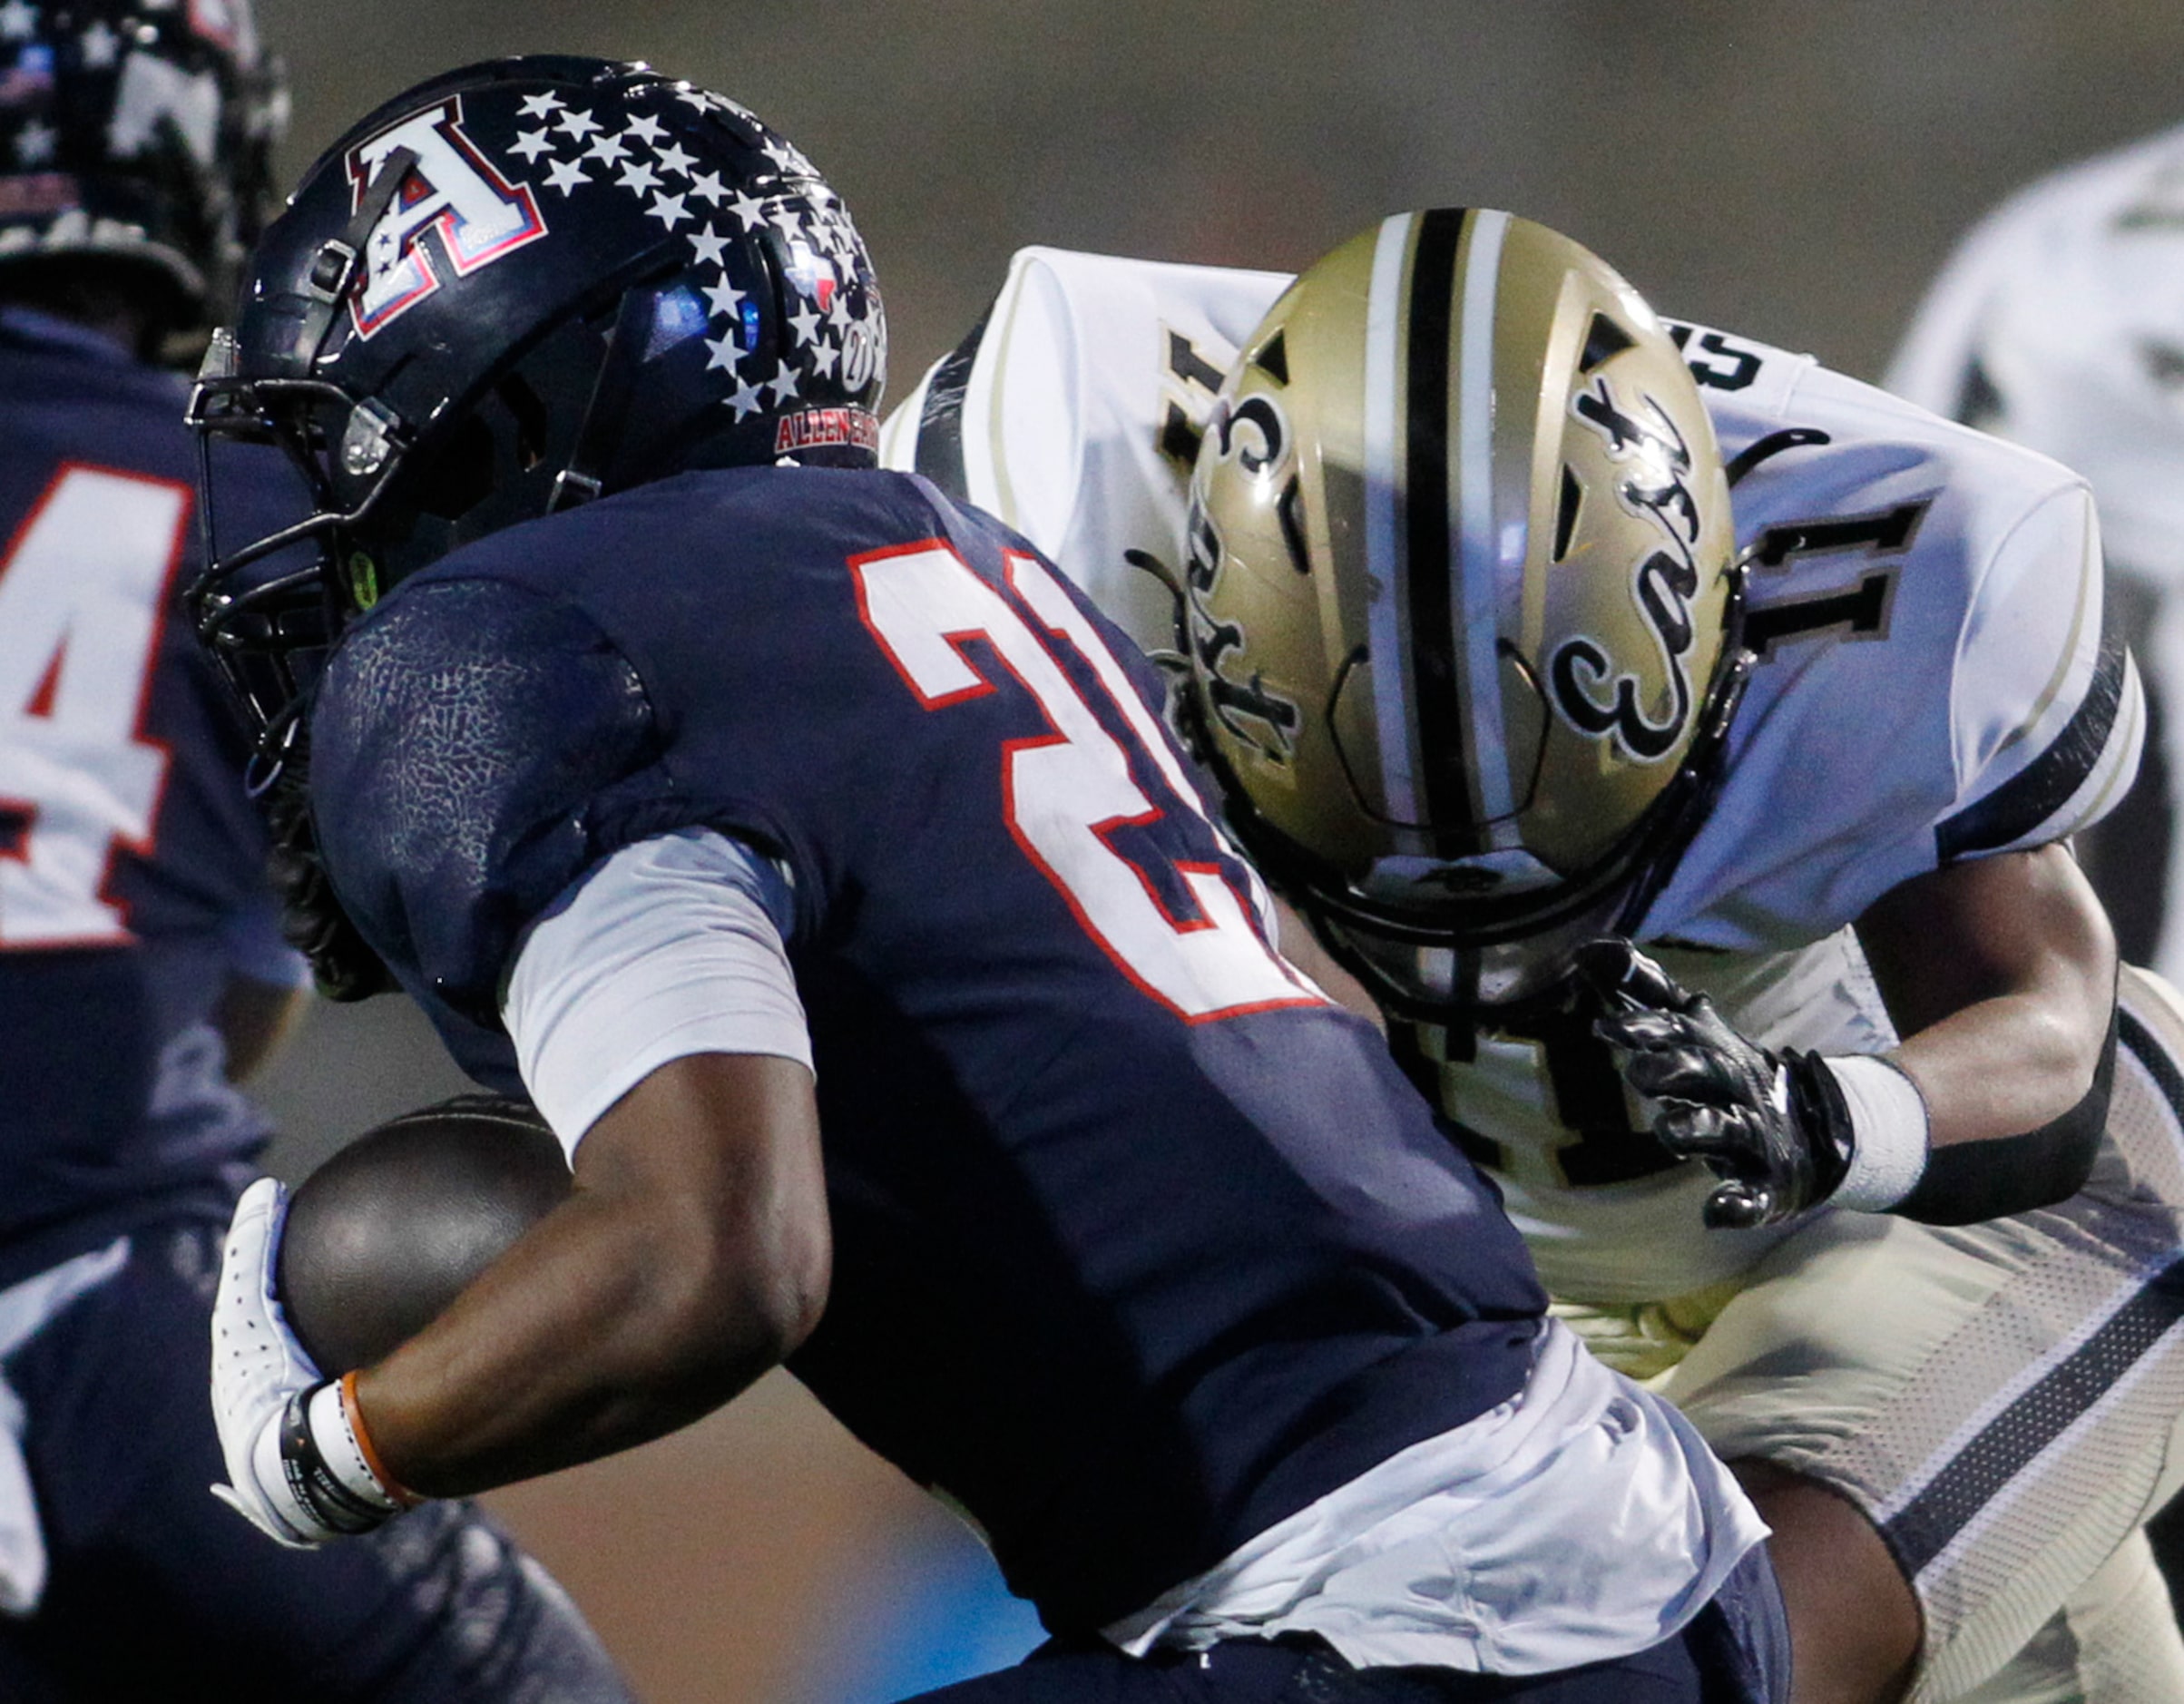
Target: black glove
column 1773, row 1127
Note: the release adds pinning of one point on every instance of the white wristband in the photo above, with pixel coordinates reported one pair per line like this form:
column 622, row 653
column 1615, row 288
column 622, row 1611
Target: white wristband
column 343, row 1456
column 1889, row 1132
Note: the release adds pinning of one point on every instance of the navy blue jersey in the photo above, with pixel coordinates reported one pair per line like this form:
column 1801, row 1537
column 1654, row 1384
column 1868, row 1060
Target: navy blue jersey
column 1139, row 1244
column 132, row 866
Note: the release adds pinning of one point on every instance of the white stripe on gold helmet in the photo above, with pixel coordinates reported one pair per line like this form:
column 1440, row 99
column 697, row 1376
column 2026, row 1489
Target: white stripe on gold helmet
column 1461, row 605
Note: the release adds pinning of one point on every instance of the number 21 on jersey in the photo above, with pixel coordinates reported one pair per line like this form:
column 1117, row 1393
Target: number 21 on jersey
column 1064, row 793
column 83, row 586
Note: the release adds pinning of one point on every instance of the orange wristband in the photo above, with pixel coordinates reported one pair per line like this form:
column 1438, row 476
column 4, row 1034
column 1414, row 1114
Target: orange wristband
column 394, row 1487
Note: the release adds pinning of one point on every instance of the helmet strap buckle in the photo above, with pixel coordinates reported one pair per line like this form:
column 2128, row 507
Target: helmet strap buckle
column 332, row 267
column 571, row 487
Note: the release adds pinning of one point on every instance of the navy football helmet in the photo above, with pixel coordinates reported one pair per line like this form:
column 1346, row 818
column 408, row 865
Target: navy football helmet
column 137, row 133
column 514, row 287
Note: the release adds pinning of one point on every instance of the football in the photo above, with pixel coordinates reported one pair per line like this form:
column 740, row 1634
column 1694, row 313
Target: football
column 383, row 1236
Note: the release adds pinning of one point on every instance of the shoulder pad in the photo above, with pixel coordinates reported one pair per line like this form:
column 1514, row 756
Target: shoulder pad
column 461, row 734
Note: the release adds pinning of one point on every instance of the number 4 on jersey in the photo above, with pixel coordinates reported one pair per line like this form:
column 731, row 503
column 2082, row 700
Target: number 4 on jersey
column 1065, row 793
column 82, row 590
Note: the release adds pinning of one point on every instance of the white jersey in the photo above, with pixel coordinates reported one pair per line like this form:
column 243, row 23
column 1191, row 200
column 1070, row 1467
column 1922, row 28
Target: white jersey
column 1932, row 684
column 1072, row 413
column 2058, row 324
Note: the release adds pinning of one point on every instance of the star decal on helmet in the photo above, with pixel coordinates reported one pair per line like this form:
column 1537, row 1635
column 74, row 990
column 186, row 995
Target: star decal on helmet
column 99, row 48
column 748, row 209
column 35, row 142
column 600, row 149
column 836, row 234
column 18, row 21
column 787, row 155
column 707, row 246
column 723, row 298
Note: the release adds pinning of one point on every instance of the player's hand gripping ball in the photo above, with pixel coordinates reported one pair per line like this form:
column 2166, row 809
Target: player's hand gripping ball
column 367, row 1253
column 1772, row 1126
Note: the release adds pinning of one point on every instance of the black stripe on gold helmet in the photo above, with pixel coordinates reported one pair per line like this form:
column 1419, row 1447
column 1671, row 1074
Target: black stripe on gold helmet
column 1462, row 610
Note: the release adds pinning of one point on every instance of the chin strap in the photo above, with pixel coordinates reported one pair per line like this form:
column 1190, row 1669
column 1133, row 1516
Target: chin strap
column 599, row 432
column 339, row 263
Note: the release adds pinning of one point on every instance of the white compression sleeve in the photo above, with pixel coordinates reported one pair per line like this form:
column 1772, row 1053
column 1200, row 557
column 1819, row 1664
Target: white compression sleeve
column 672, row 947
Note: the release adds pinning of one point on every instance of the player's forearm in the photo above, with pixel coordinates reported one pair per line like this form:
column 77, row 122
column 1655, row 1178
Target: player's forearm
column 681, row 1270
column 567, row 1350
column 2001, row 976
column 1975, row 1170
column 2006, row 1066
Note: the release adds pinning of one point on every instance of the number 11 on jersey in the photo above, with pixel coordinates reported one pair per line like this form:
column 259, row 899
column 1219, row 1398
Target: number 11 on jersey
column 1064, row 793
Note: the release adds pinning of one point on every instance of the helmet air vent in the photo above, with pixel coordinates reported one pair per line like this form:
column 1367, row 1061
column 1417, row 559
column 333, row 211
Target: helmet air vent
column 1565, row 513
column 1604, row 340
column 1290, row 508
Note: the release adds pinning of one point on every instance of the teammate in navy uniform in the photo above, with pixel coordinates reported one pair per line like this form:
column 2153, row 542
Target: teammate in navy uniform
column 816, row 859
column 142, row 970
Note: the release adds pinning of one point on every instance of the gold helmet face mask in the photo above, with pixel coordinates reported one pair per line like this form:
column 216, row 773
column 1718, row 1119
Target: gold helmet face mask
column 1461, row 608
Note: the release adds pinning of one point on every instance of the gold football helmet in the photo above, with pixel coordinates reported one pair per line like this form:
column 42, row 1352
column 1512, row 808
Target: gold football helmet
column 1460, row 603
